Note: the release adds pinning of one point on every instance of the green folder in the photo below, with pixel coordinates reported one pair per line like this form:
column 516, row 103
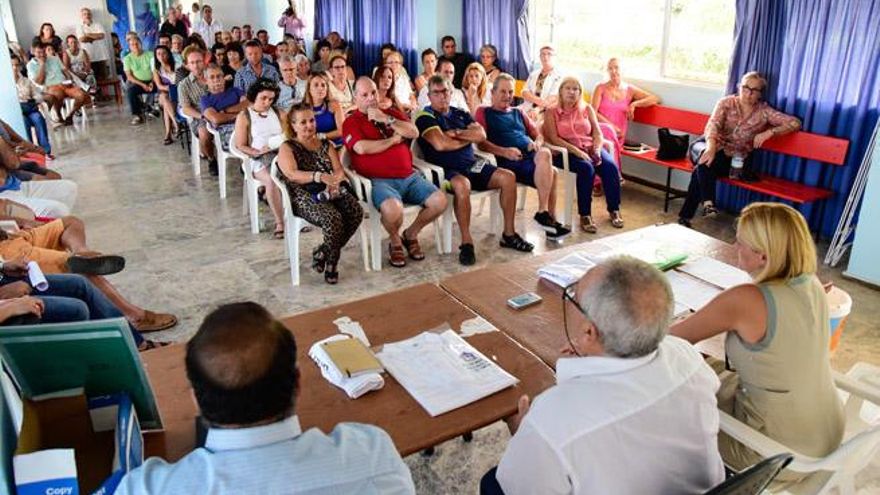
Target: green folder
column 670, row 261
column 99, row 356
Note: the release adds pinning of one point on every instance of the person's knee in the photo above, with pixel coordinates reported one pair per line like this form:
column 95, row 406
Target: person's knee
column 461, row 186
column 392, row 210
column 544, row 158
column 437, row 200
column 506, row 179
column 71, row 221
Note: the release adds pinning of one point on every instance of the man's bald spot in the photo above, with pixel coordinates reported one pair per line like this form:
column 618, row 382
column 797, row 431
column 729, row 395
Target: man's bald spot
column 239, row 350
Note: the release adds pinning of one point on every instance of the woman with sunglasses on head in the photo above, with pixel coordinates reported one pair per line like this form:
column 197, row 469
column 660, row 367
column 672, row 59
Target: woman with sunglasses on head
column 739, row 124
column 309, row 167
column 328, row 113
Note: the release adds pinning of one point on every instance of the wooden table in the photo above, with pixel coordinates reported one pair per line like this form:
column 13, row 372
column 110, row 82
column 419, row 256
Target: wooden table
column 387, row 318
column 540, row 328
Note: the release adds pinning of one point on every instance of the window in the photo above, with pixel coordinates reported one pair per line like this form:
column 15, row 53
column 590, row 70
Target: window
column 678, row 39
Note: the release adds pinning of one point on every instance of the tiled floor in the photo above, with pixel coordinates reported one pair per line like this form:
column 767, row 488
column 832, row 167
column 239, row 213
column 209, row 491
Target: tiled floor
column 189, row 251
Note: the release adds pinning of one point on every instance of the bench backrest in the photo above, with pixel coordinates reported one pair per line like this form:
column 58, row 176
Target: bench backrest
column 800, row 144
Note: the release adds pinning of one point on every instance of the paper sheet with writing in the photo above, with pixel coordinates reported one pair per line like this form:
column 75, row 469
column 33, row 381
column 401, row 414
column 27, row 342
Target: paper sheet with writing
column 715, row 272
column 689, row 291
column 567, row 270
column 442, row 371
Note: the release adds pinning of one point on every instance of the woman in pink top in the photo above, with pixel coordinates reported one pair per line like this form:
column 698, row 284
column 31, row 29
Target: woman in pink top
column 616, row 101
column 572, row 124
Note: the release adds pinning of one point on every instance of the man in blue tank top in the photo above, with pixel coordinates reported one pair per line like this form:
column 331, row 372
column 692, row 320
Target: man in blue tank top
column 517, row 145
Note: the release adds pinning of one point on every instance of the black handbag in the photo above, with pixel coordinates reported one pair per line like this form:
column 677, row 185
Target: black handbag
column 672, row 146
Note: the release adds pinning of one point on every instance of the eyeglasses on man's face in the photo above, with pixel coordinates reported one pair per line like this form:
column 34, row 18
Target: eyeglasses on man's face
column 440, row 92
column 569, row 295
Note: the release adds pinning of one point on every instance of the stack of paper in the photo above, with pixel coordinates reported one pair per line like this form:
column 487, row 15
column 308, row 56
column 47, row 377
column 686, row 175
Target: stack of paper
column 567, row 270
column 715, row 272
column 690, row 292
column 443, row 372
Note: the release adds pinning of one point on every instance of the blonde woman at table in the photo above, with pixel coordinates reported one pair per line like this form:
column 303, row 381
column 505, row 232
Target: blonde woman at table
column 777, row 334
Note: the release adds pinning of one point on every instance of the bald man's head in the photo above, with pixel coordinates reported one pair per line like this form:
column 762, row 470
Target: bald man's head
column 242, row 366
column 365, row 94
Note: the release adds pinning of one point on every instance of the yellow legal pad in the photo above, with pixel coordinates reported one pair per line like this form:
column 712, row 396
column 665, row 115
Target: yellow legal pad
column 352, row 357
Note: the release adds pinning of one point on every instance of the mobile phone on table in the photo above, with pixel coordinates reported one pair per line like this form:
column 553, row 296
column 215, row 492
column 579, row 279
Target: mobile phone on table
column 524, row 300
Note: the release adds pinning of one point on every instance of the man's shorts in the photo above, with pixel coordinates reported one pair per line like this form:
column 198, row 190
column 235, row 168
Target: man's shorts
column 524, row 169
column 479, row 174
column 41, row 244
column 412, row 190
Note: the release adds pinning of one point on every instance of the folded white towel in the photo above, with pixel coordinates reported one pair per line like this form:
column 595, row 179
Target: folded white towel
column 355, row 386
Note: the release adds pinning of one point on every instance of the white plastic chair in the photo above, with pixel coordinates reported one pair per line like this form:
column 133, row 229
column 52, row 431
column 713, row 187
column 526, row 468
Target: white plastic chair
column 438, row 177
column 293, row 224
column 68, row 110
column 569, row 180
column 222, row 156
column 860, row 444
column 195, row 144
column 250, row 201
column 363, row 189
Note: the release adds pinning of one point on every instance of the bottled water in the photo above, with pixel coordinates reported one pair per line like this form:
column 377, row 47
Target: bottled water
column 736, row 166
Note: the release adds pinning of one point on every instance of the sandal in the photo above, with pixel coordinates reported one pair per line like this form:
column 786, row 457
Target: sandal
column 279, row 233
column 148, row 345
column 514, row 241
column 588, row 226
column 616, row 220
column 331, row 276
column 396, row 256
column 597, row 190
column 154, row 322
column 412, row 248
column 319, row 258
column 168, row 141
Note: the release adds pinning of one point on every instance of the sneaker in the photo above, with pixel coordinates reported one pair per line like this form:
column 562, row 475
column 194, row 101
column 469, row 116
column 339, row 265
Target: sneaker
column 136, row 120
column 213, row 168
column 553, row 228
column 50, row 157
column 709, row 210
column 466, row 255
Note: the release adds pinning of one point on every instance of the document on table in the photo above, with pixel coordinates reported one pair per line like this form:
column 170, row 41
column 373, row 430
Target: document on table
column 567, row 270
column 442, row 371
column 715, row 272
column 690, row 291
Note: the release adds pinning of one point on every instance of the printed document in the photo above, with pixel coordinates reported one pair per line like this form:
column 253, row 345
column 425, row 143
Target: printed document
column 442, row 371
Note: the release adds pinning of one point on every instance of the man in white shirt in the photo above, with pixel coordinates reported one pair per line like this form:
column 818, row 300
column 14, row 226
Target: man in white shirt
column 542, row 86
column 445, row 68
column 94, row 41
column 242, row 367
column 633, row 410
column 207, row 26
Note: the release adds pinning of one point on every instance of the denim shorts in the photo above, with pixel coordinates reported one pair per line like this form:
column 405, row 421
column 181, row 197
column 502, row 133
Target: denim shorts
column 412, row 190
column 524, row 169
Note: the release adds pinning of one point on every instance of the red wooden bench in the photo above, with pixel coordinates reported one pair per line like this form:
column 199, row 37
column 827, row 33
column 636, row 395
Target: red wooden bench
column 800, row 144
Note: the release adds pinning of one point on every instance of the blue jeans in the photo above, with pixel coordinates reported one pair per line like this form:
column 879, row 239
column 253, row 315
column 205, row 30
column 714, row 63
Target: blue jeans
column 34, row 119
column 585, row 171
column 702, row 185
column 73, row 298
column 489, row 484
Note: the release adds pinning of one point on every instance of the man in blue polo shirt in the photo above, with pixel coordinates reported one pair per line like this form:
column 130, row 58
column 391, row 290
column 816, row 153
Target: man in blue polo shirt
column 221, row 106
column 446, row 137
column 517, row 145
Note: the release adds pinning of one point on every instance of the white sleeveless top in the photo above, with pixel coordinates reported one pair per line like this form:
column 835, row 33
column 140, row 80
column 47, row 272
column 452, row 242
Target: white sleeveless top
column 77, row 62
column 263, row 128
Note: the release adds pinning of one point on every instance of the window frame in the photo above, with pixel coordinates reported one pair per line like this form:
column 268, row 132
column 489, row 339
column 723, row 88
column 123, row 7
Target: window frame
column 662, row 75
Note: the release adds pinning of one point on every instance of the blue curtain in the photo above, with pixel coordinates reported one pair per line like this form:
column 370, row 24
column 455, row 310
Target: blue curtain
column 503, row 23
column 822, row 59
column 366, row 25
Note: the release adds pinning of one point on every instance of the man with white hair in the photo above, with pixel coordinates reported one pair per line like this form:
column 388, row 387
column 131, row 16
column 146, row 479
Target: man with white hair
column 629, row 399
column 207, row 26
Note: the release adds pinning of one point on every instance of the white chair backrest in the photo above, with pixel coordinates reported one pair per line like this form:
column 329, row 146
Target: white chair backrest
column 274, row 173
column 416, row 150
column 233, row 149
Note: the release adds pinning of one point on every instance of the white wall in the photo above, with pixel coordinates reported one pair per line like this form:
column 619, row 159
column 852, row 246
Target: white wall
column 63, row 14
column 863, row 263
column 10, row 110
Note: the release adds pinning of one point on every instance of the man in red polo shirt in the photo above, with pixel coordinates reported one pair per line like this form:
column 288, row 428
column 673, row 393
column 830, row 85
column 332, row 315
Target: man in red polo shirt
column 378, row 141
